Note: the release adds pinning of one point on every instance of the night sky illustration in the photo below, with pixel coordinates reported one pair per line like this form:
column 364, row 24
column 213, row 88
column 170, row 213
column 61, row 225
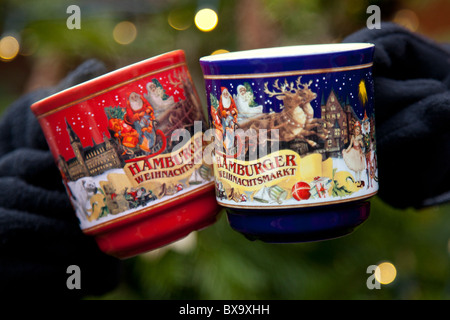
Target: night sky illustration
column 345, row 85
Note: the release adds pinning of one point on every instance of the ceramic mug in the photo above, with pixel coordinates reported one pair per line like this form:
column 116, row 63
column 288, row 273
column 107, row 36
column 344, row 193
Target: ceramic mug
column 133, row 184
column 295, row 150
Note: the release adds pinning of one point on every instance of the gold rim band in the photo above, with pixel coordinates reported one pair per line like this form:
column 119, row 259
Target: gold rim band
column 299, row 206
column 286, row 73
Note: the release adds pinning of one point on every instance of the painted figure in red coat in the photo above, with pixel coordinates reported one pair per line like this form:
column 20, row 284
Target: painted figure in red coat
column 228, row 112
column 140, row 114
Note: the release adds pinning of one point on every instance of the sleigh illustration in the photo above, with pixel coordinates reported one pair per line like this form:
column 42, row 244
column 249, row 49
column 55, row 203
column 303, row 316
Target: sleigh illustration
column 150, row 143
column 132, row 141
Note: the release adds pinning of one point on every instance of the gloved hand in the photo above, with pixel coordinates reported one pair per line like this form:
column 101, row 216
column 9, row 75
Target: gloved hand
column 412, row 115
column 39, row 233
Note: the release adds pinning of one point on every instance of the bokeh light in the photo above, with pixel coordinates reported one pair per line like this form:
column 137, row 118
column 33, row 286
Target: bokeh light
column 206, row 19
column 9, row 48
column 219, row 51
column 124, row 32
column 386, row 273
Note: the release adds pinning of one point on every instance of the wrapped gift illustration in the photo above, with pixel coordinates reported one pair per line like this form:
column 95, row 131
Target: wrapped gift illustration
column 320, row 187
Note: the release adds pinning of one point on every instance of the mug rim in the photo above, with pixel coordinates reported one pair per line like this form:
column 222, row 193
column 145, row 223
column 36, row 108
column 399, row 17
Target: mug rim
column 288, row 51
column 105, row 82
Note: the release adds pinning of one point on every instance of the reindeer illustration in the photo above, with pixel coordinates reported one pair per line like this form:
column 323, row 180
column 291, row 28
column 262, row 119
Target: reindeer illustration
column 295, row 121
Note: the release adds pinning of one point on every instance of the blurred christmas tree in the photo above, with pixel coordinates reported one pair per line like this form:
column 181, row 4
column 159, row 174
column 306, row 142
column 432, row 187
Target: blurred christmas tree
column 218, row 263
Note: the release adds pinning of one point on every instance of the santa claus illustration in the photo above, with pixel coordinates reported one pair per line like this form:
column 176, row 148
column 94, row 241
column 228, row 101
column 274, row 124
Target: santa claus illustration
column 140, row 114
column 228, row 113
column 245, row 102
column 157, row 96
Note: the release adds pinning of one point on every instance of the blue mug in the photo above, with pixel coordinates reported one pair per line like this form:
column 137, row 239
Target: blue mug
column 294, row 139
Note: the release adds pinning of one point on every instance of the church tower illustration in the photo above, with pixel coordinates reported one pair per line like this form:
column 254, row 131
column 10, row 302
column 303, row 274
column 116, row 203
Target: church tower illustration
column 77, row 148
column 90, row 160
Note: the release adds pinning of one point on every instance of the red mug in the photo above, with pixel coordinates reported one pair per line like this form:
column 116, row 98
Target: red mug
column 134, row 186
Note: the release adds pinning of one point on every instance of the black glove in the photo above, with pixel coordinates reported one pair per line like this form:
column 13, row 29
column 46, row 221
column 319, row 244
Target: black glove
column 412, row 113
column 39, row 233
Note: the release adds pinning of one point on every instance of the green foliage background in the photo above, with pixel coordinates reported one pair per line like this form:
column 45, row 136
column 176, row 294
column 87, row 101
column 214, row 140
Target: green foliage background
column 222, row 264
